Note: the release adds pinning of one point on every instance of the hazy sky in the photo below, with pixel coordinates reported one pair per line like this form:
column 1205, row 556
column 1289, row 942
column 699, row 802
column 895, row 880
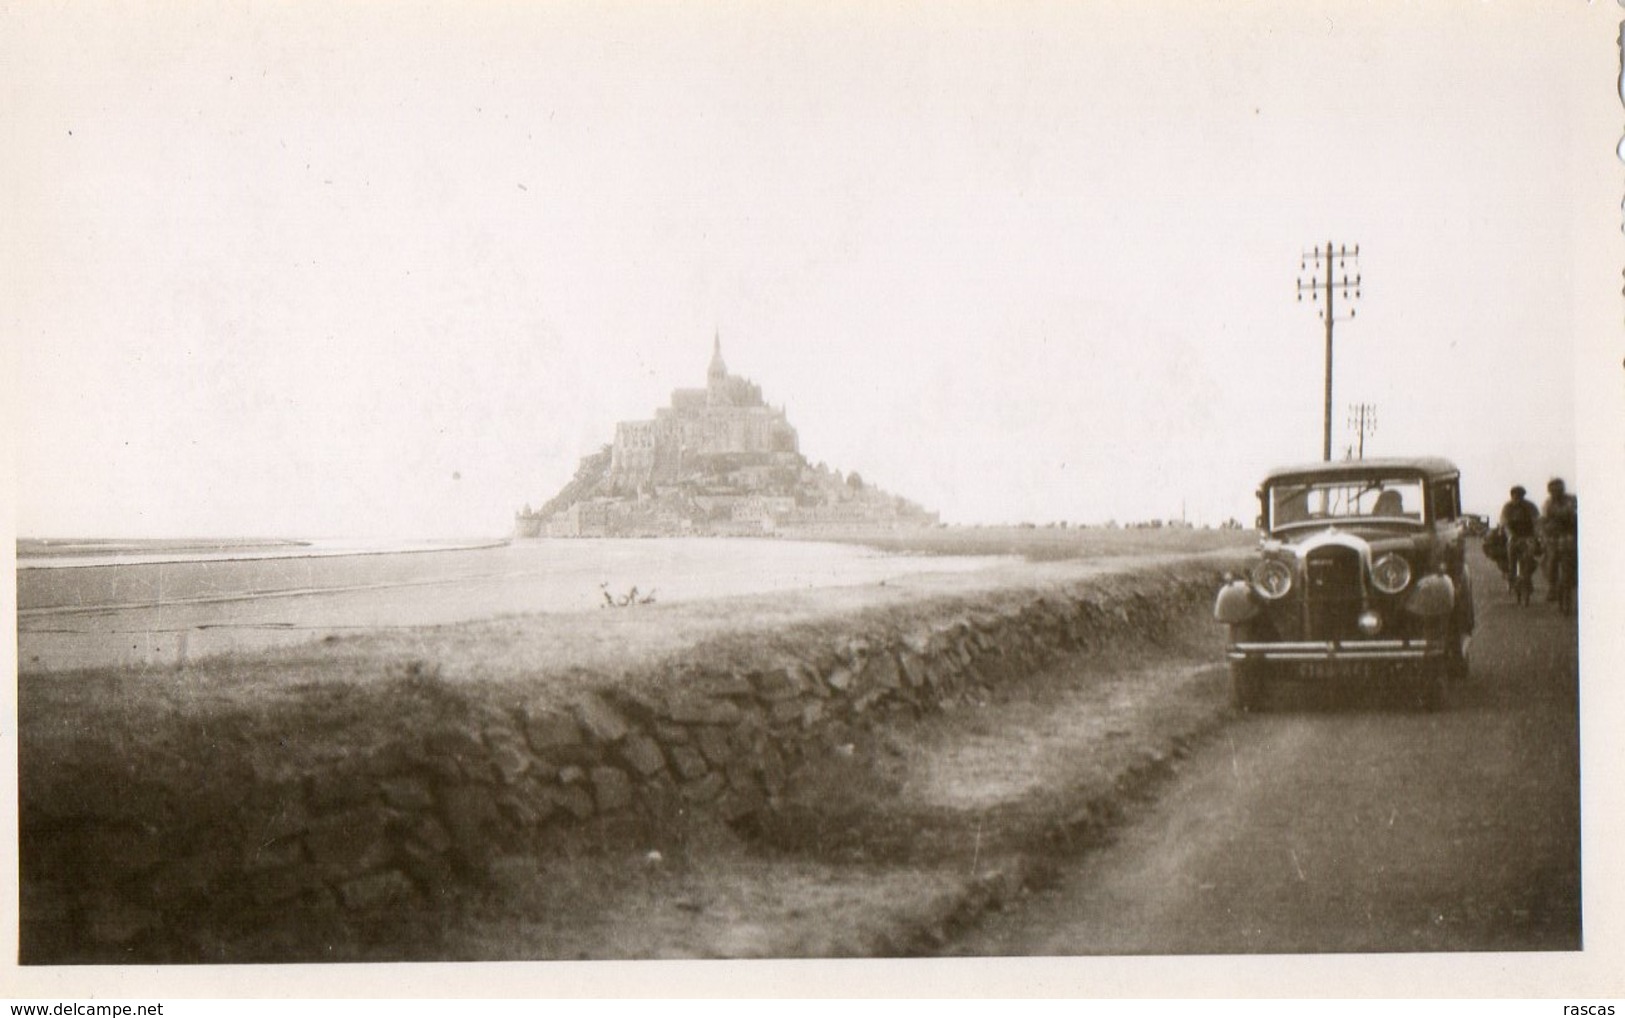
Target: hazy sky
column 342, row 269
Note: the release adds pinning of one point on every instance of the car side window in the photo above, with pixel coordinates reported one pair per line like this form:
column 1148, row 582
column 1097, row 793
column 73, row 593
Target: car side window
column 1446, row 500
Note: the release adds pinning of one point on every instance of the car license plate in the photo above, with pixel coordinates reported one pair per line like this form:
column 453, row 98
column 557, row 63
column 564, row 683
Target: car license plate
column 1319, row 670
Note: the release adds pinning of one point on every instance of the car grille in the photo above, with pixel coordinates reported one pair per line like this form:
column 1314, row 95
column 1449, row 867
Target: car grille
column 1333, row 597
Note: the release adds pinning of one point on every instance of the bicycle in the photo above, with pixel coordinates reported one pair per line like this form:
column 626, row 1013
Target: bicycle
column 1565, row 572
column 1522, row 560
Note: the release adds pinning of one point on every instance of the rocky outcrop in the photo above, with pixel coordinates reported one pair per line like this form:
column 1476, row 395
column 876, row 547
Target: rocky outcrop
column 717, row 461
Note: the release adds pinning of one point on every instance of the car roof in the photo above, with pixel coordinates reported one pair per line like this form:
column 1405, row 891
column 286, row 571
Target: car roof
column 1432, row 466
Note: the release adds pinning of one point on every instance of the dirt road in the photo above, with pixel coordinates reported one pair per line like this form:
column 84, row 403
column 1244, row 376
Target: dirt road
column 1343, row 824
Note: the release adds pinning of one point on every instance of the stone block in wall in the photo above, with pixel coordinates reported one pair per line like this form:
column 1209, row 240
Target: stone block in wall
column 742, row 777
column 430, row 834
column 549, row 730
column 636, row 704
column 377, row 890
column 810, row 680
column 726, row 684
column 776, row 684
column 612, row 789
column 868, row 700
column 483, row 772
column 784, row 710
column 266, row 855
column 603, row 722
column 698, row 710
column 811, row 714
column 704, row 789
column 572, row 775
column 509, row 761
column 525, row 810
column 391, row 759
column 657, row 798
column 670, row 734
column 772, row 768
column 642, row 754
column 734, row 805
column 500, row 731
column 330, row 791
column 270, row 887
column 687, row 761
column 747, row 736
column 429, row 868
column 840, row 679
column 574, row 800
column 714, row 745
column 407, row 794
column 344, row 844
column 962, row 650
column 472, row 820
column 881, row 672
column 913, row 669
column 457, row 753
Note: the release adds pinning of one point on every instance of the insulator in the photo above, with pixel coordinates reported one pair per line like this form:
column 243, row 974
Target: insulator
column 1353, row 312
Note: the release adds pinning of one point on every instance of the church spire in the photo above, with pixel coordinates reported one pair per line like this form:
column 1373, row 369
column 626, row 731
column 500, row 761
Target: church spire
column 718, row 370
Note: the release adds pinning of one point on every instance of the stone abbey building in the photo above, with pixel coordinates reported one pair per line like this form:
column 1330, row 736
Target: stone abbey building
column 716, row 461
column 727, row 418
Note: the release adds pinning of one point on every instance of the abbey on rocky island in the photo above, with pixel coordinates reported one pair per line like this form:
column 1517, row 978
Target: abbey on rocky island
column 717, row 461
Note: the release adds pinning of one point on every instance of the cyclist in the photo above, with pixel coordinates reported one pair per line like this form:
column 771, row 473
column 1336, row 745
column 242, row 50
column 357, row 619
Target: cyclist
column 1519, row 518
column 1559, row 520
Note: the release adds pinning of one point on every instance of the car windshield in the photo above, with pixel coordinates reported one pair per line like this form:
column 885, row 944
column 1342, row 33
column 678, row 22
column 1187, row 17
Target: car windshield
column 1345, row 500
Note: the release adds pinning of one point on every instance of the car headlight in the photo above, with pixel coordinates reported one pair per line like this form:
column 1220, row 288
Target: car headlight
column 1391, row 573
column 1272, row 578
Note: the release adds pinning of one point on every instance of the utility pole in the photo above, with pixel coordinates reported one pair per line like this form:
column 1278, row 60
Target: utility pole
column 1336, row 259
column 1362, row 419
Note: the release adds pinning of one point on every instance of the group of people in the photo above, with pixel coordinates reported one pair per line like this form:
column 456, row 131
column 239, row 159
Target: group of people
column 1547, row 533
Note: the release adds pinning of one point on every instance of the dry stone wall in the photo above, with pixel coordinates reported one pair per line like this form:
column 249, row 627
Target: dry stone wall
column 116, row 872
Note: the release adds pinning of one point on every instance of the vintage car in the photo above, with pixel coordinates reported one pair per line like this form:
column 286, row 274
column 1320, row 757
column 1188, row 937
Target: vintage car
column 1361, row 573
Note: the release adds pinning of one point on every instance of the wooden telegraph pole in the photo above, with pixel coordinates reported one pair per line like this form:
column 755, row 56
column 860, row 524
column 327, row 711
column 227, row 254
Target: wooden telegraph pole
column 1313, row 286
column 1362, row 419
